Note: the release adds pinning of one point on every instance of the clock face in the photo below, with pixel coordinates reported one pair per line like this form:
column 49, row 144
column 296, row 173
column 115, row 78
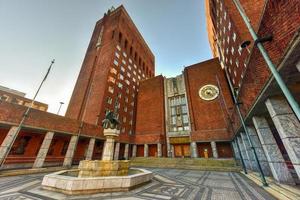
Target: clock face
column 209, row 92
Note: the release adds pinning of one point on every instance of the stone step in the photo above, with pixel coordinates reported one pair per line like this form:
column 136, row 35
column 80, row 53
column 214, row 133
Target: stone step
column 187, row 163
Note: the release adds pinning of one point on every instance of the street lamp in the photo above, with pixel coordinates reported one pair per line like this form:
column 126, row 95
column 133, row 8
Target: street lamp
column 61, row 103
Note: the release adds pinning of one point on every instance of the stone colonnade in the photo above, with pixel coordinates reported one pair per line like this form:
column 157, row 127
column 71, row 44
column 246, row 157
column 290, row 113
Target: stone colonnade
column 265, row 140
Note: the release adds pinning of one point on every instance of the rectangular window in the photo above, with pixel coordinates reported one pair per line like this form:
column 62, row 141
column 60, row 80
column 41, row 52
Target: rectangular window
column 118, row 47
column 111, row 79
column 120, row 85
column 117, row 55
column 124, row 62
column 111, row 89
column 127, row 81
column 124, row 119
column 122, row 69
column 184, row 109
column 130, row 61
column 121, row 77
column 124, row 54
column 116, row 63
column 109, row 100
column 129, row 67
column 128, row 74
column 113, row 70
column 185, row 119
column 134, row 65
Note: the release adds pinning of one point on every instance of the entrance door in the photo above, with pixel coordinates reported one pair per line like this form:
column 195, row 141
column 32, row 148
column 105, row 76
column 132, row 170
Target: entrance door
column 182, row 150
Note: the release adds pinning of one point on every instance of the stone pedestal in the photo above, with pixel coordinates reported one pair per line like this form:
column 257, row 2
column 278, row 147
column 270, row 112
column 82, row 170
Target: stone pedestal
column 39, row 161
column 90, row 149
column 71, row 151
column 108, row 152
column 288, row 127
column 214, row 149
column 194, row 150
column 275, row 159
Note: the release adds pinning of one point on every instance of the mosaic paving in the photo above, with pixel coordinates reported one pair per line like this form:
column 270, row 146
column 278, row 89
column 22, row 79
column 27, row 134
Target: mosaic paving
column 167, row 184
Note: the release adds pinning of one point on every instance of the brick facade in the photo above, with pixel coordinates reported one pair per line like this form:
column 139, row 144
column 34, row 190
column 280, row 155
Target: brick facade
column 150, row 125
column 208, row 118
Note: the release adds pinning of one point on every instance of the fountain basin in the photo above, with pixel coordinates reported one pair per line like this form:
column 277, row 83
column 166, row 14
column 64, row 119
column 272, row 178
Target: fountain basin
column 94, row 168
column 67, row 182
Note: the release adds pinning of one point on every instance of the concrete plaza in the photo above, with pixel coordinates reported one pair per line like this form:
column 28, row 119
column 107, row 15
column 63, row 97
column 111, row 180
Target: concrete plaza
column 167, row 184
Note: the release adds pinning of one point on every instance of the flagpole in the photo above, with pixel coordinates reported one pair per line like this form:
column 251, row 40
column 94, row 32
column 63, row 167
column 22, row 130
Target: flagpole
column 25, row 115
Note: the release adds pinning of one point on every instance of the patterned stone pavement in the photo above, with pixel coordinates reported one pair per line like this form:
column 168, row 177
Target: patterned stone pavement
column 167, row 184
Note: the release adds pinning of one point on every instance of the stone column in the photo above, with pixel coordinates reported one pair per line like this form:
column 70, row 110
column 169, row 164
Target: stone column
column 134, row 151
column 108, row 152
column 243, row 152
column 71, row 151
column 194, row 150
column 259, row 151
column 126, row 150
column 249, row 152
column 214, row 149
column 146, row 150
column 159, row 150
column 235, row 150
column 7, row 143
column 275, row 159
column 288, row 127
column 172, row 151
column 90, row 149
column 39, row 161
column 117, row 151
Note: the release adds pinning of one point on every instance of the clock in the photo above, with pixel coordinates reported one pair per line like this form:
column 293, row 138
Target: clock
column 209, row 92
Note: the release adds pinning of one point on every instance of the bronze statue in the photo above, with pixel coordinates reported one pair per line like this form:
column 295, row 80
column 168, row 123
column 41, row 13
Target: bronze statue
column 110, row 121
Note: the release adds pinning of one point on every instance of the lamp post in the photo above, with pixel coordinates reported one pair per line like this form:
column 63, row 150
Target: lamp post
column 61, row 103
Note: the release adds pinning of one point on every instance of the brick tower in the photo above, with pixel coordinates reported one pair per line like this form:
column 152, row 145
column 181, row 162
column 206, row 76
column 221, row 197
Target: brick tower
column 117, row 59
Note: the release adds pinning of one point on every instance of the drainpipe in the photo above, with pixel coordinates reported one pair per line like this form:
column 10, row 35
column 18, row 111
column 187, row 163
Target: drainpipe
column 236, row 103
column 242, row 159
column 258, row 41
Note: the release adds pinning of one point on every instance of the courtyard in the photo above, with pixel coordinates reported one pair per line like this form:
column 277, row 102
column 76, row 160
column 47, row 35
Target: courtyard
column 166, row 184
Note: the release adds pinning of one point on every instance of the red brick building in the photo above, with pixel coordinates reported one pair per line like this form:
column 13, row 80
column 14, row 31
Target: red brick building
column 268, row 117
column 183, row 116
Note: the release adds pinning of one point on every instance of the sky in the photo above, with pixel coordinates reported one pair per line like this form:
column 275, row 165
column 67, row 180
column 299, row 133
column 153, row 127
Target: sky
column 33, row 32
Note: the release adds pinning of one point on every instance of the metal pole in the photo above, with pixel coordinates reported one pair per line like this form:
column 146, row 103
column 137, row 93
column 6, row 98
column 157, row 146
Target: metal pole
column 26, row 114
column 236, row 103
column 293, row 103
column 242, row 159
column 61, row 103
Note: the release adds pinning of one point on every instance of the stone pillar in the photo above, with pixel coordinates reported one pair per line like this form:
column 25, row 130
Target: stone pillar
column 126, row 150
column 117, row 151
column 159, row 150
column 214, row 149
column 90, row 149
column 249, row 152
column 275, row 159
column 288, row 127
column 259, row 151
column 134, row 151
column 71, row 151
column 235, row 150
column 172, row 151
column 39, row 161
column 243, row 152
column 108, row 152
column 146, row 150
column 7, row 143
column 194, row 150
